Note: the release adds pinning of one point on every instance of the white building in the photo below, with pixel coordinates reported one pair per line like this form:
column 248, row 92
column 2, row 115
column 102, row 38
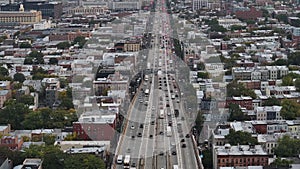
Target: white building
column 268, row 113
column 228, row 22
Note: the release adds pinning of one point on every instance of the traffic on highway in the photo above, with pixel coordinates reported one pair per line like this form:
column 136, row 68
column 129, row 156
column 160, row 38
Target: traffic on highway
column 156, row 134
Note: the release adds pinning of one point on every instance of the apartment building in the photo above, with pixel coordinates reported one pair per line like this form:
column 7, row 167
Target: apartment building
column 240, row 155
column 268, row 113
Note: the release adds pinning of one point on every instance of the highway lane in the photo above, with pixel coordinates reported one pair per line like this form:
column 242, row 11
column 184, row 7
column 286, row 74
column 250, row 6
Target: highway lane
column 157, row 150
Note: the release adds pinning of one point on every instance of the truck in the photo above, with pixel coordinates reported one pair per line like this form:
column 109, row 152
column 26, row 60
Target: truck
column 127, row 161
column 161, row 113
column 146, row 92
column 169, row 131
column 146, row 77
column 148, row 66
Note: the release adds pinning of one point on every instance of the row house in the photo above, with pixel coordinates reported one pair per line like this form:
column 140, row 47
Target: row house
column 257, row 84
column 5, row 130
column 245, row 63
column 268, row 142
column 270, row 127
column 243, row 101
column 263, row 73
column 293, row 127
column 95, row 127
column 280, row 90
column 5, row 85
column 12, row 142
column 4, row 95
column 241, row 155
column 113, row 82
column 268, row 113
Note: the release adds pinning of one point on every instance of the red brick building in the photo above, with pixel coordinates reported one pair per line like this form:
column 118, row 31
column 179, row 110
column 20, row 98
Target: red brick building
column 69, row 36
column 243, row 101
column 97, row 128
column 12, row 142
column 241, row 155
column 252, row 14
column 260, row 126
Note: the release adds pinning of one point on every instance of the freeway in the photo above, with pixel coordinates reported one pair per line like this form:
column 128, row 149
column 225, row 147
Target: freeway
column 154, row 135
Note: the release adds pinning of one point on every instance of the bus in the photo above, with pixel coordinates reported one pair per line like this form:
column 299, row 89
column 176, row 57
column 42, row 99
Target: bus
column 127, row 161
column 169, row 131
column 146, row 92
column 120, row 159
column 161, row 113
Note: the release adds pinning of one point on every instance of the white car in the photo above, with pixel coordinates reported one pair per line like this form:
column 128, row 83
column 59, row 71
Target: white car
column 132, row 127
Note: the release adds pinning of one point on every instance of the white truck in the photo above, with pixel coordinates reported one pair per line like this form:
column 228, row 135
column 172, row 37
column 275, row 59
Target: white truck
column 127, row 161
column 161, row 113
column 169, row 131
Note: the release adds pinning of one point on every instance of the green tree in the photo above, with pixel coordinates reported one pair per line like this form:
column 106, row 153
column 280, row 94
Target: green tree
column 15, row 156
column 237, row 27
column 53, row 61
column 207, row 159
column 25, row 45
column 236, row 114
column 3, row 71
column 238, row 89
column 200, row 66
column 33, row 121
column 37, row 57
column 199, row 121
column 287, row 81
column 80, row 40
column 290, row 109
column 14, row 114
column 287, row 147
column 83, row 161
column 240, row 137
column 26, row 99
column 282, row 18
column 278, row 162
column 28, row 61
column 51, row 155
column 19, row 77
column 280, row 62
column 272, row 101
column 63, row 45
column 297, row 84
column 203, row 75
column 294, row 58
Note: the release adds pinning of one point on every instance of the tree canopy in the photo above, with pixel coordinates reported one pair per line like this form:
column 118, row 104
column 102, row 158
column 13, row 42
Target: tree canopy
column 240, row 137
column 19, row 77
column 290, row 109
column 238, row 89
column 236, row 114
column 287, row 147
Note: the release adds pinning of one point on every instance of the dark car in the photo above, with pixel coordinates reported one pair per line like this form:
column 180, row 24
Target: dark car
column 183, row 146
column 182, row 140
column 141, row 126
column 174, row 152
column 139, row 134
column 187, row 136
column 152, row 122
column 151, row 136
column 133, row 165
column 161, row 153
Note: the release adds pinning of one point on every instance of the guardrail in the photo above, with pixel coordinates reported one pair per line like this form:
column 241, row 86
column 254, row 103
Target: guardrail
column 199, row 161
